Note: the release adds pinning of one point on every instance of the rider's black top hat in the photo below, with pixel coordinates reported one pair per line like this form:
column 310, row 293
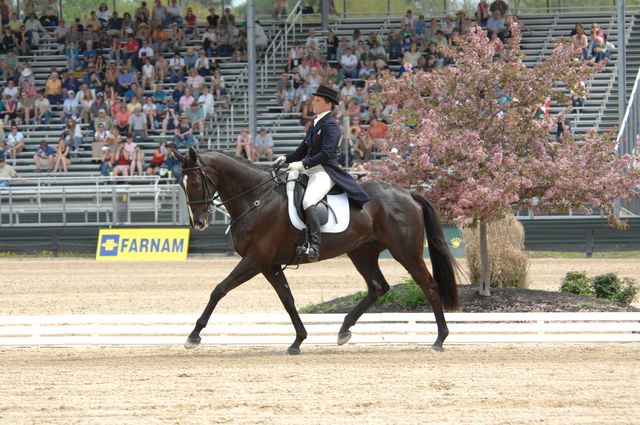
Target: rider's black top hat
column 328, row 93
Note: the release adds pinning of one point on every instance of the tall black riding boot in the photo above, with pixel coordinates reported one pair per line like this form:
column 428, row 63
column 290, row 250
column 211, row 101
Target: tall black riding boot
column 313, row 231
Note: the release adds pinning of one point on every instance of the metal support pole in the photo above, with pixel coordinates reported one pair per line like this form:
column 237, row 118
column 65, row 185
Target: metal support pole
column 324, row 15
column 251, row 46
column 622, row 62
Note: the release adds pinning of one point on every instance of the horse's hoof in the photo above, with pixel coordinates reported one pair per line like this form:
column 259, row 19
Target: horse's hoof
column 344, row 337
column 438, row 348
column 292, row 351
column 192, row 343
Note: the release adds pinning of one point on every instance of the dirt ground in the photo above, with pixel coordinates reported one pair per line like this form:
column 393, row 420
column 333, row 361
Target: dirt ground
column 494, row 384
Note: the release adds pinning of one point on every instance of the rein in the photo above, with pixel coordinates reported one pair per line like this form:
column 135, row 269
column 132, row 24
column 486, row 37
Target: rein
column 209, row 196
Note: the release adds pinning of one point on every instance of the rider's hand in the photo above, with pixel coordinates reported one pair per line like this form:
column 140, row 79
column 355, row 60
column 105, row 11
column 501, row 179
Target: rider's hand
column 296, row 166
column 280, row 160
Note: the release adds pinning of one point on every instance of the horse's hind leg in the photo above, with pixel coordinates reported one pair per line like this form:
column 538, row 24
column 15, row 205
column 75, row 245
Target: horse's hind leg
column 366, row 261
column 276, row 278
column 418, row 269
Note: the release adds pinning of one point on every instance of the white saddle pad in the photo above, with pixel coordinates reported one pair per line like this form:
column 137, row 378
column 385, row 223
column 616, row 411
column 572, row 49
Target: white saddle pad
column 338, row 209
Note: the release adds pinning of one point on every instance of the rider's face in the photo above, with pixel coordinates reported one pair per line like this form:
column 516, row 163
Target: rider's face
column 320, row 105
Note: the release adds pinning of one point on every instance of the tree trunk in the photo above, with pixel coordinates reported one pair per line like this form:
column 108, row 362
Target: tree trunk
column 485, row 277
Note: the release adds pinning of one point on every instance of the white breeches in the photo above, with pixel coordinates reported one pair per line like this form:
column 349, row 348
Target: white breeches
column 319, row 185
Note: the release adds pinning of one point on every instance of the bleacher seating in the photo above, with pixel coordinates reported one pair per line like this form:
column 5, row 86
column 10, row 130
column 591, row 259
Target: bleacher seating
column 600, row 109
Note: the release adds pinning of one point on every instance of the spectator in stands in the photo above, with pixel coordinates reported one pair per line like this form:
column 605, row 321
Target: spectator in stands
column 106, row 161
column 482, row 13
column 15, row 143
column 600, row 49
column 85, row 100
column 348, row 90
column 183, row 135
column 244, row 144
column 563, row 127
column 174, row 13
column 349, row 64
column 44, row 153
column 138, row 128
column 377, row 131
column 207, row 102
column 7, row 172
column 499, row 6
column 287, row 98
column 149, row 76
column 122, row 161
column 73, row 57
column 195, row 82
column 114, row 25
column 9, row 66
column 279, row 9
column 176, row 37
column 42, row 109
column 176, row 66
column 161, row 68
column 62, row 160
column 126, row 78
column 136, row 156
column 580, row 41
column 363, row 147
column 34, row 28
column 101, row 135
column 149, row 110
column 159, row 16
column 122, row 116
column 53, row 89
column 104, row 119
column 332, row 46
column 10, row 111
column 394, row 44
column 4, row 13
column 218, row 87
column 25, row 108
column 23, row 44
column 70, row 82
column 448, row 25
column 93, row 24
column 307, row 115
column 157, row 160
column 70, row 107
column 185, row 100
column 263, row 144
column 227, row 19
column 170, row 119
column 496, row 24
column 213, row 17
column 73, row 136
column 204, row 65
column 104, row 14
column 407, row 23
column 196, row 117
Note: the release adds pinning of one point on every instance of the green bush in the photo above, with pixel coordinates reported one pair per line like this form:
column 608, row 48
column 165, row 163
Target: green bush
column 412, row 295
column 606, row 287
column 577, row 283
column 629, row 291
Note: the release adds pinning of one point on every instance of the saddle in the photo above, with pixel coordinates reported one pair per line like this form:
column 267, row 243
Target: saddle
column 333, row 209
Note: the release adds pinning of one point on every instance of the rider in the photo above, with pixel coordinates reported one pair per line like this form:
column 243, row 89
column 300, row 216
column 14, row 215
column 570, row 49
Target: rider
column 317, row 155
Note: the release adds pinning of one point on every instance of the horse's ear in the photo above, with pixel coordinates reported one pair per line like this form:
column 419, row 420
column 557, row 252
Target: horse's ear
column 177, row 154
column 193, row 156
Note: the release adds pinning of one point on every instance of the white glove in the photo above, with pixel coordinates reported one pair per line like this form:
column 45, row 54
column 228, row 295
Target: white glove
column 280, row 160
column 296, row 166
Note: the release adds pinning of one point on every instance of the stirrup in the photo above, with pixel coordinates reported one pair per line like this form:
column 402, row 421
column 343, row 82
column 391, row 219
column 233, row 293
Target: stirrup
column 307, row 252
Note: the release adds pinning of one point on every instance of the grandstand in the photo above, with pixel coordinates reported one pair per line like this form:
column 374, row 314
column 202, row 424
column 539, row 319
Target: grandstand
column 82, row 196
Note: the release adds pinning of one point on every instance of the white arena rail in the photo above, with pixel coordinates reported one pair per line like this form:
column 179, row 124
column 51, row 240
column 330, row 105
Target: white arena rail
column 266, row 329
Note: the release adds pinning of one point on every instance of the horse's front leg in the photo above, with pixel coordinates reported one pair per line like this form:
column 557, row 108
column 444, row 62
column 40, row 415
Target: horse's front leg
column 245, row 270
column 276, row 278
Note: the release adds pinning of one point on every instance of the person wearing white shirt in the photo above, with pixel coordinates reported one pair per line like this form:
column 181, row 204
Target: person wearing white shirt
column 312, row 40
column 207, row 101
column 349, row 64
column 261, row 36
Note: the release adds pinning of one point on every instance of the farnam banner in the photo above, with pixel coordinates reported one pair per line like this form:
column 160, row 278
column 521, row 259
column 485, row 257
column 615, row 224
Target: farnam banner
column 143, row 244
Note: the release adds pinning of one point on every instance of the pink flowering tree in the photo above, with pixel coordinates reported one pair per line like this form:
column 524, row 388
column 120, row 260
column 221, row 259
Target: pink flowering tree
column 470, row 138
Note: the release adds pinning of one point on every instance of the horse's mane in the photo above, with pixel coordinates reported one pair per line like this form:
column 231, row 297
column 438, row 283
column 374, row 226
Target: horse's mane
column 240, row 160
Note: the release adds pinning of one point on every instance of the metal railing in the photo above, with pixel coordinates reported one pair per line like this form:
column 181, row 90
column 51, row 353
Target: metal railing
column 92, row 204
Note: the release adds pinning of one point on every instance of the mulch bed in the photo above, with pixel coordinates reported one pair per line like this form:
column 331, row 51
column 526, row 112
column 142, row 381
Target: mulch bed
column 503, row 300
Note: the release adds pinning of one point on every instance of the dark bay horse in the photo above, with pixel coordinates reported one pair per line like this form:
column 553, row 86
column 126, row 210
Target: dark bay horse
column 262, row 234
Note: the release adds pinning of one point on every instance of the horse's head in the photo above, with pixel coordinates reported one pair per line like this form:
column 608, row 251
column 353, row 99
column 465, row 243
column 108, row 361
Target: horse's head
column 198, row 187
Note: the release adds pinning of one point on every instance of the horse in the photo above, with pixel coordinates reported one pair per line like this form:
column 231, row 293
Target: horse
column 262, row 234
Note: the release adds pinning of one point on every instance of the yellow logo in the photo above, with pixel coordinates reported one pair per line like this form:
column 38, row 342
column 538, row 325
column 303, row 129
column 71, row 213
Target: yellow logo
column 143, row 244
column 456, row 242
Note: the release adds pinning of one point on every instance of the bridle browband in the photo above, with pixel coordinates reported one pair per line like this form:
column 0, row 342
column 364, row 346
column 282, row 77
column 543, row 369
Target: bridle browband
column 209, row 195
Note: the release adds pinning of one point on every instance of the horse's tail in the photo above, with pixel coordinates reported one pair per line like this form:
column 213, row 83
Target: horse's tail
column 442, row 260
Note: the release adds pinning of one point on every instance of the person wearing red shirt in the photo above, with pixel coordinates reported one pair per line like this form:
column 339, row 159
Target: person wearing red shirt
column 377, row 130
column 191, row 22
column 122, row 116
column 130, row 49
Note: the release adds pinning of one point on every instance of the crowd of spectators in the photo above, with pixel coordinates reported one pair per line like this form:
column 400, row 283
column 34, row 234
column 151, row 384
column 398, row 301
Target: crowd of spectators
column 124, row 77
column 127, row 76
